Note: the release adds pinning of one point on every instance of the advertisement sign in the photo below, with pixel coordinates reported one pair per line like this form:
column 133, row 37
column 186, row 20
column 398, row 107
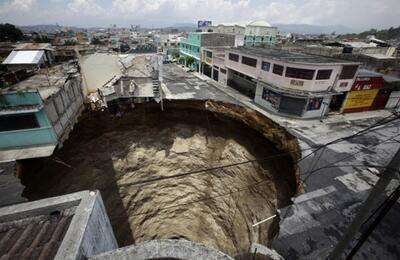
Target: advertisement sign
column 314, row 103
column 367, row 83
column 360, row 99
column 272, row 97
column 203, row 24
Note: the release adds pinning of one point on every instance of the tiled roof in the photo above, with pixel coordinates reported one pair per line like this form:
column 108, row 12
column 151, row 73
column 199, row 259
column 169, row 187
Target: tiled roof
column 34, row 237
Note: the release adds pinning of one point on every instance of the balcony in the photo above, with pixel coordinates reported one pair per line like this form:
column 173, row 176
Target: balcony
column 27, row 137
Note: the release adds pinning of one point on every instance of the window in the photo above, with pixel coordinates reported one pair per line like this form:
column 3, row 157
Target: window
column 271, row 97
column 222, row 71
column 343, row 84
column 209, row 54
column 348, row 72
column 299, row 73
column 314, row 103
column 324, row 74
column 18, row 122
column 249, row 61
column 278, row 69
column 265, row 65
column 234, row 57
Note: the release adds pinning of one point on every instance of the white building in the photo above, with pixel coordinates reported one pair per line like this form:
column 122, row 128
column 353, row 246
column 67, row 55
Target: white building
column 229, row 28
column 287, row 83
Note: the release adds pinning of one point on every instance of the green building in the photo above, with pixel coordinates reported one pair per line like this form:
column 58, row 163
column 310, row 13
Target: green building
column 191, row 46
column 260, row 33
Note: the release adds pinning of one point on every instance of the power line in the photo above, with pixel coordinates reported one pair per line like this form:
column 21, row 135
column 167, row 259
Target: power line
column 364, row 131
column 225, row 194
column 340, row 160
column 380, row 206
column 205, row 199
column 391, row 201
column 140, row 183
column 144, row 182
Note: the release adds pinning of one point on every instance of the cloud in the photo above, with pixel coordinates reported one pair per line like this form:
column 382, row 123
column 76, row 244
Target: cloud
column 86, row 7
column 352, row 13
column 180, row 9
column 17, row 6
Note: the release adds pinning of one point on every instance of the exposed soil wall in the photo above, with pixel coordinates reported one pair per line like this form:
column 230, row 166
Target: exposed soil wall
column 216, row 208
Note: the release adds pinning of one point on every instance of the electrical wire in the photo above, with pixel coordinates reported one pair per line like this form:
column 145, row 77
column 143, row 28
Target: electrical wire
column 361, row 132
column 146, row 181
column 340, row 160
column 243, row 188
column 380, row 206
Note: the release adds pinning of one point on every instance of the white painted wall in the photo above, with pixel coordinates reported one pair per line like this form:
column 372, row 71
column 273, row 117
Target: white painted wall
column 260, row 31
column 307, row 114
column 282, row 81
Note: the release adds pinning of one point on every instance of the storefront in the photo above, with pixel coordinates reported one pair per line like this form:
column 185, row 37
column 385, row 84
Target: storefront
column 366, row 93
column 302, row 105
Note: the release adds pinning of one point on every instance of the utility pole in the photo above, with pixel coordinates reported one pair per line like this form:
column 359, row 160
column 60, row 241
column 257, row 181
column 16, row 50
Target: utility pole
column 370, row 204
column 390, row 203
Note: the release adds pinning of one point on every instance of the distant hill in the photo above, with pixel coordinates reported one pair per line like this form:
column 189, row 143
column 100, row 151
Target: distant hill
column 182, row 27
column 386, row 34
column 313, row 29
column 46, row 28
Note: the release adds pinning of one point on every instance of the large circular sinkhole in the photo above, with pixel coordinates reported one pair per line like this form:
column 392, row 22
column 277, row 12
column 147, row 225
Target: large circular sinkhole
column 119, row 155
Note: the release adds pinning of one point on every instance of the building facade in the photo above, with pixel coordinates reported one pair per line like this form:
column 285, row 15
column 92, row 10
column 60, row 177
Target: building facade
column 291, row 84
column 37, row 114
column 260, row 33
column 191, row 46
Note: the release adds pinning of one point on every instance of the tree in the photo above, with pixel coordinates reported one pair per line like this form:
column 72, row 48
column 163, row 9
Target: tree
column 176, row 55
column 9, row 32
column 96, row 41
column 189, row 61
column 70, row 42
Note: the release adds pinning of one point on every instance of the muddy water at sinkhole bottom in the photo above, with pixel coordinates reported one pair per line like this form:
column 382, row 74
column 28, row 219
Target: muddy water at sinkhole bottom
column 215, row 208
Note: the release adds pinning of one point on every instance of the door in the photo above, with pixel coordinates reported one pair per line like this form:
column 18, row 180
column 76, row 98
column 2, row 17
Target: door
column 292, row 106
column 215, row 75
column 381, row 99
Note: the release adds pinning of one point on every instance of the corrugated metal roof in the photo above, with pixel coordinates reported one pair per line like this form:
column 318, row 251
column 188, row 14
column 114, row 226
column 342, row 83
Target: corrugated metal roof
column 37, row 237
column 24, row 57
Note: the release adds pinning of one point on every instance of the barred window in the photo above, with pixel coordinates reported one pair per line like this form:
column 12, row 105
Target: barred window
column 265, row 65
column 278, row 69
column 249, row 61
column 348, row 72
column 299, row 73
column 324, row 74
column 234, row 57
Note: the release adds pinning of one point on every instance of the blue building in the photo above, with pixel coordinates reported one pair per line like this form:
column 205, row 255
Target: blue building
column 191, row 46
column 38, row 113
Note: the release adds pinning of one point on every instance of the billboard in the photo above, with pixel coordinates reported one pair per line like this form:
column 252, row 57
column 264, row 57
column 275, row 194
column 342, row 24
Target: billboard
column 203, row 24
column 360, row 99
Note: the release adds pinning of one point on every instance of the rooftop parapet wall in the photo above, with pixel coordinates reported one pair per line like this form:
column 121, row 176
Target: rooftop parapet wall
column 164, row 249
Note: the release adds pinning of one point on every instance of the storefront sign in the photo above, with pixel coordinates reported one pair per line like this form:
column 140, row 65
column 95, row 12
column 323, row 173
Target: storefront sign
column 360, row 99
column 367, row 83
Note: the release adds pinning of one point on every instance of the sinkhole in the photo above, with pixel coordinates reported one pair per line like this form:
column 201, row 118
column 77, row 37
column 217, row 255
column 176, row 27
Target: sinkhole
column 148, row 166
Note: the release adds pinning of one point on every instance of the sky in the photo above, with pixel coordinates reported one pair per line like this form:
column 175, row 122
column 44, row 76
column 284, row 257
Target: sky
column 355, row 14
